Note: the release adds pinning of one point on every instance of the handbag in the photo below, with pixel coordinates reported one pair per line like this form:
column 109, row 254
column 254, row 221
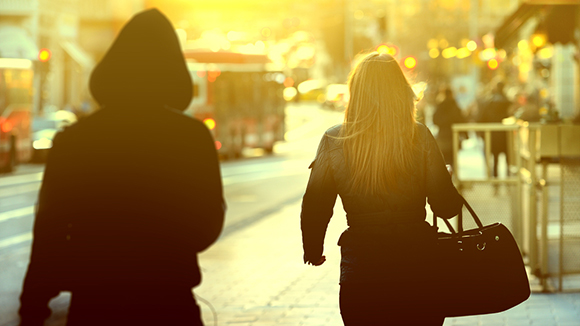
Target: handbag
column 477, row 271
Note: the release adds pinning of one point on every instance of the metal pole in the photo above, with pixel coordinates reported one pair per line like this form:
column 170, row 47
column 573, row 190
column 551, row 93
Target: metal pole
column 533, row 234
column 488, row 158
column 518, row 209
column 544, row 226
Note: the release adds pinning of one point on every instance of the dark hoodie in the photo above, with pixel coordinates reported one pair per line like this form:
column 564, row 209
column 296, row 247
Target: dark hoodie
column 133, row 192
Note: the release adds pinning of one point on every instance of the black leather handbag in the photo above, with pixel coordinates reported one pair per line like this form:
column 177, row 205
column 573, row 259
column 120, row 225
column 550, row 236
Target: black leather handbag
column 478, row 271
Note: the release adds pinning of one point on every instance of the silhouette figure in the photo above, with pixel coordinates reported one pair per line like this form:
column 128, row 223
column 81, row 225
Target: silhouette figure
column 446, row 114
column 496, row 110
column 384, row 165
column 130, row 194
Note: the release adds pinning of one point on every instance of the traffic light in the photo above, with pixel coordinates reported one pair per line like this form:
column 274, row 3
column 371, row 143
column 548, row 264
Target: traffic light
column 44, row 55
column 410, row 62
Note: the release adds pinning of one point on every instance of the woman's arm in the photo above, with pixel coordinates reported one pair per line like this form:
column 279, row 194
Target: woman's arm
column 317, row 205
column 442, row 196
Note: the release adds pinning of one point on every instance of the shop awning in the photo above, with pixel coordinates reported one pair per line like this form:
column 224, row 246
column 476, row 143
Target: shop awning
column 78, row 54
column 558, row 20
column 510, row 26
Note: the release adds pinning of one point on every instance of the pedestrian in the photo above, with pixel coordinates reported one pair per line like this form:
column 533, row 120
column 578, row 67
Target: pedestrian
column 446, row 114
column 384, row 165
column 130, row 194
column 497, row 109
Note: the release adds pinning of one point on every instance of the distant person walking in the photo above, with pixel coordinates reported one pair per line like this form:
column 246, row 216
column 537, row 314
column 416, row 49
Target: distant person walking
column 130, row 194
column 497, row 109
column 384, row 165
column 446, row 114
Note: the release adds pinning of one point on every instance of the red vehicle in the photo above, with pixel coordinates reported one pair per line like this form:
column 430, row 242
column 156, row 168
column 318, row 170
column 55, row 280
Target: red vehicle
column 16, row 97
column 239, row 99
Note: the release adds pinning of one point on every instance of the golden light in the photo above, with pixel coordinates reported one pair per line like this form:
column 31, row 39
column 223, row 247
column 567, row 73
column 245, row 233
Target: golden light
column 546, row 53
column 210, row 123
column 463, row 53
column 433, row 43
column 544, row 93
column 487, row 54
column 492, row 64
column 523, row 45
column 44, row 55
column 434, row 53
column 383, row 49
column 359, row 14
column 449, row 52
column 410, row 62
column 471, row 45
column 539, row 40
column 443, row 43
column 289, row 93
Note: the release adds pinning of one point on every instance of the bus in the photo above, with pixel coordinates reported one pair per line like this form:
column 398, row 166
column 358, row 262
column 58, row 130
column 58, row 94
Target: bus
column 239, row 99
column 16, row 98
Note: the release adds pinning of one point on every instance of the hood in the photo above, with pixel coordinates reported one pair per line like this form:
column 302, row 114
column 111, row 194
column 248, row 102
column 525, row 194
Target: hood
column 143, row 67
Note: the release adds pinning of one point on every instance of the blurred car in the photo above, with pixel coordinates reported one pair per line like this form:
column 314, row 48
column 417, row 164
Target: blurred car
column 337, row 96
column 44, row 128
column 311, row 90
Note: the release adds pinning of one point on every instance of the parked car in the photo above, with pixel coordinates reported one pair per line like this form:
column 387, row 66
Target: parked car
column 44, row 127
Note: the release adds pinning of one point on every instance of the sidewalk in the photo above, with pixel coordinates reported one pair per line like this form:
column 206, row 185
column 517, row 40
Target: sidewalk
column 256, row 277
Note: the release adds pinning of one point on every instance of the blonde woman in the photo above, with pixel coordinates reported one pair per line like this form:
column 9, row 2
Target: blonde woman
column 385, row 166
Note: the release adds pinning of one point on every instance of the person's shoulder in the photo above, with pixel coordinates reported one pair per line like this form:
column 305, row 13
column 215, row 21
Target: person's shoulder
column 421, row 128
column 333, row 131
column 179, row 119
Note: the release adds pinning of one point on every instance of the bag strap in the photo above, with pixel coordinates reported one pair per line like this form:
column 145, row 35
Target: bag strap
column 460, row 219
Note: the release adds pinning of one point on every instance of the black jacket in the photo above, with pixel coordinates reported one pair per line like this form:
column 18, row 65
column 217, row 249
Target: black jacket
column 133, row 192
column 379, row 217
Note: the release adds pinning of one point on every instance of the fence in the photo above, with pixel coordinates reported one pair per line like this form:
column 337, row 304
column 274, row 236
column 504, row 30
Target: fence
column 540, row 202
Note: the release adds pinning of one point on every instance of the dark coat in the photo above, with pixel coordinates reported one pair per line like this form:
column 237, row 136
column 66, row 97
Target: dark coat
column 446, row 114
column 133, row 192
column 379, row 225
column 497, row 109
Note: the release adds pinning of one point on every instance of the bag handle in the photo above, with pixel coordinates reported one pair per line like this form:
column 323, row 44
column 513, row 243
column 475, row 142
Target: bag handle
column 460, row 219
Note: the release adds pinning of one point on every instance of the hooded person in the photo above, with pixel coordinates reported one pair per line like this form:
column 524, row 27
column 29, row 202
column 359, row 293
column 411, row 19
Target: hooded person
column 130, row 194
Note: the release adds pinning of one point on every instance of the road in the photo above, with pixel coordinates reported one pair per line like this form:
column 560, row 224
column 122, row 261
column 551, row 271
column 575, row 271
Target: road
column 254, row 187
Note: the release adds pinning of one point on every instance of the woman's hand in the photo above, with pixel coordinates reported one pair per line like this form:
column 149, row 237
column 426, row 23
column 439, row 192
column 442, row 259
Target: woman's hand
column 319, row 262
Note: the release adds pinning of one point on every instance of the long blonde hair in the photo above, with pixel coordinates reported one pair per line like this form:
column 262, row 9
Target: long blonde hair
column 379, row 125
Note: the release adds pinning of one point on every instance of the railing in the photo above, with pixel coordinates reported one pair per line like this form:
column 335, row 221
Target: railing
column 542, row 205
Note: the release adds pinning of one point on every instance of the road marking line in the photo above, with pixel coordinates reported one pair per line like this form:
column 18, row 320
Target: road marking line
column 16, row 240
column 16, row 213
column 19, row 190
column 17, row 179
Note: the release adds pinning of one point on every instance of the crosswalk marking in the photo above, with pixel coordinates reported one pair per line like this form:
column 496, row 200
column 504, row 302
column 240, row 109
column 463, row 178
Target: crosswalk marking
column 23, row 237
column 16, row 213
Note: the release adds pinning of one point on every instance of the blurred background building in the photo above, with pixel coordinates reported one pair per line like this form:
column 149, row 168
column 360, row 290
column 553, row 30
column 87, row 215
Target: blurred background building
column 468, row 44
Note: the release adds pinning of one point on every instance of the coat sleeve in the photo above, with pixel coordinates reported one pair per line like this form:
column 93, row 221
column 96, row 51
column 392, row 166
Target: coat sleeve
column 442, row 195
column 208, row 202
column 317, row 204
column 38, row 288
